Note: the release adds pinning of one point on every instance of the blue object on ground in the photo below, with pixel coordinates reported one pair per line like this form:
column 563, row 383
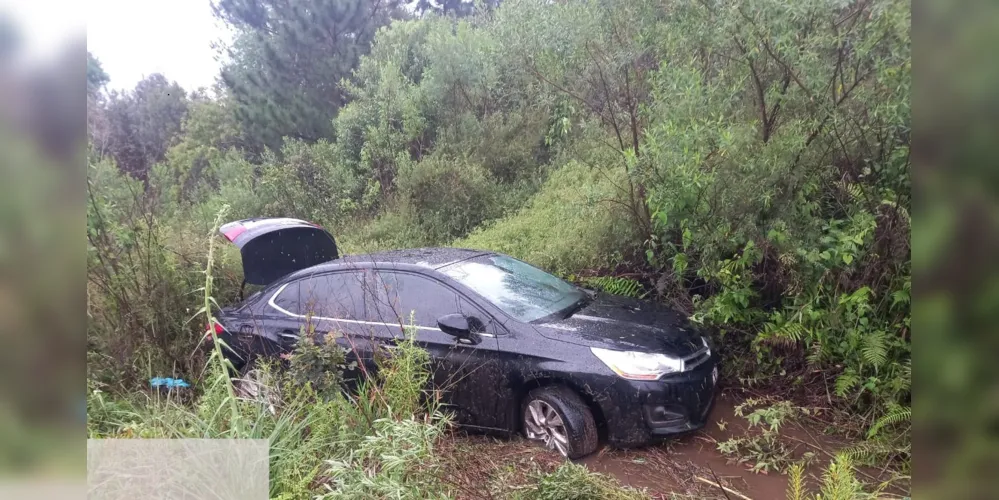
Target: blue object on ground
column 169, row 383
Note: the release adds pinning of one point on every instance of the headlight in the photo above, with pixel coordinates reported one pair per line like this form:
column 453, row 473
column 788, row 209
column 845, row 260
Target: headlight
column 638, row 365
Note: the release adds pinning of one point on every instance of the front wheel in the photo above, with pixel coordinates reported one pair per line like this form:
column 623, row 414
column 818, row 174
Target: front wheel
column 558, row 417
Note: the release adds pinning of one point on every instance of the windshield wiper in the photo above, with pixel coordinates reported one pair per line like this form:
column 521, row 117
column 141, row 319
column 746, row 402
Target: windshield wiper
column 576, row 306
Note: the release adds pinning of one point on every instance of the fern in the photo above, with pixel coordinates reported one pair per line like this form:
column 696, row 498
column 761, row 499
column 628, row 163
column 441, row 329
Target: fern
column 902, row 211
column 817, row 353
column 906, row 375
column 846, row 382
column 875, row 348
column 896, row 415
column 617, row 286
column 854, row 191
column 873, row 453
column 786, row 335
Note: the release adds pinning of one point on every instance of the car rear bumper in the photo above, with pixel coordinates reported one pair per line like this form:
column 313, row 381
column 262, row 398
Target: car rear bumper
column 639, row 413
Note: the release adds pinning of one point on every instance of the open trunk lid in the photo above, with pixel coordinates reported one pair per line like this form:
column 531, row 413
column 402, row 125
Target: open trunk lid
column 274, row 247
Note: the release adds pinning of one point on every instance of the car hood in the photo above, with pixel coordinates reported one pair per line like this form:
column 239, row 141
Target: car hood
column 621, row 323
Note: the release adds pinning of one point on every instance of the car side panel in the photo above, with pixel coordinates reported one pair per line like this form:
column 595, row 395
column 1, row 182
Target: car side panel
column 462, row 372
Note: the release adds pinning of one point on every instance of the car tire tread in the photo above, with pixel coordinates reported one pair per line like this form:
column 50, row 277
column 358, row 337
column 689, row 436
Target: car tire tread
column 579, row 422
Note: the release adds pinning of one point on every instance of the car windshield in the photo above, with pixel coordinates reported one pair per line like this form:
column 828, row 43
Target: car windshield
column 519, row 289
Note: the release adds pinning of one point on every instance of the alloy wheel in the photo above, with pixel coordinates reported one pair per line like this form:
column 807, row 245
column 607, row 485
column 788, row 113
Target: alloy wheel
column 256, row 385
column 544, row 424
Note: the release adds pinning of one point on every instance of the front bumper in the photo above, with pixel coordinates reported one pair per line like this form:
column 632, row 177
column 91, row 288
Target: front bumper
column 640, row 412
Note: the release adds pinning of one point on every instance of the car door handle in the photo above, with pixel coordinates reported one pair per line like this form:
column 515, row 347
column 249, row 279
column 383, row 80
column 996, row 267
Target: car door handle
column 467, row 341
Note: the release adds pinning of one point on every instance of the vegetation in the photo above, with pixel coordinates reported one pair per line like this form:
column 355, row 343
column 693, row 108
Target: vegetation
column 838, row 483
column 747, row 164
column 764, row 450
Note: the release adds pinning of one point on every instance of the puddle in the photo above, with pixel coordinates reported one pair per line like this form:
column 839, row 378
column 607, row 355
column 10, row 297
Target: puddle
column 675, row 466
column 665, row 471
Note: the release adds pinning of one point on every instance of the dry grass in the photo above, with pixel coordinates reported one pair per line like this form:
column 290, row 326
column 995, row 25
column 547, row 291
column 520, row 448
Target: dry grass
column 486, row 467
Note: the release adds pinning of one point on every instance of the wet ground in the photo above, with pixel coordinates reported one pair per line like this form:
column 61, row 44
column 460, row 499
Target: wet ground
column 687, row 467
column 675, row 467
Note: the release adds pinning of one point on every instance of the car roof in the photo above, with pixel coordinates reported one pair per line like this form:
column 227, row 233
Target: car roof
column 428, row 258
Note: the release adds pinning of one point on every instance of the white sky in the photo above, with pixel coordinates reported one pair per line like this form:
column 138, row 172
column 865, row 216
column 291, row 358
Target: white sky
column 132, row 38
column 46, row 26
column 135, row 38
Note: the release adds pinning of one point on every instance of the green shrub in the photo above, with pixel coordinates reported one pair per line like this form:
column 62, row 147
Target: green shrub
column 394, row 228
column 326, row 444
column 448, row 196
column 140, row 275
column 575, row 482
column 309, row 182
column 404, row 377
column 318, row 365
column 572, row 223
column 778, row 175
column 839, row 482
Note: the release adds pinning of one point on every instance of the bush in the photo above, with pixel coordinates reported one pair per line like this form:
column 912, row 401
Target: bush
column 574, row 482
column 140, row 278
column 448, row 197
column 317, row 365
column 573, row 223
column 327, row 444
column 777, row 167
column 308, row 181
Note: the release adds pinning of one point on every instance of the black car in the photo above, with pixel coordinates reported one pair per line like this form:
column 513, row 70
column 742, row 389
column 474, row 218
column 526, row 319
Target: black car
column 513, row 348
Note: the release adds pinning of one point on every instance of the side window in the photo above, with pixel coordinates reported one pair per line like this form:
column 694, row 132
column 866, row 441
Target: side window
column 400, row 294
column 343, row 295
column 286, row 299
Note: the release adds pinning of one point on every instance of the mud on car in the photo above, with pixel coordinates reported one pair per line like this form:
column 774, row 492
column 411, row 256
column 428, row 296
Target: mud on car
column 513, row 348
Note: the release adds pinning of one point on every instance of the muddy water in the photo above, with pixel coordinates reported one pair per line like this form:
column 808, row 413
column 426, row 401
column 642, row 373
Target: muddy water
column 669, row 470
column 675, row 465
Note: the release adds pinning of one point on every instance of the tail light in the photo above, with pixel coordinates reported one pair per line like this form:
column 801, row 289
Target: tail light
column 232, row 233
column 208, row 331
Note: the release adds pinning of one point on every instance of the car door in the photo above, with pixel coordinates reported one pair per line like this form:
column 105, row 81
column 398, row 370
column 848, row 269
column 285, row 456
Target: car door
column 464, row 372
column 335, row 305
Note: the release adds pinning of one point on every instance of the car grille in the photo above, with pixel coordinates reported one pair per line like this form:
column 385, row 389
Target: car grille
column 696, row 359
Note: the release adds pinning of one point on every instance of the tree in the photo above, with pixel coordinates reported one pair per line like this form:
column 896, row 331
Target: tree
column 97, row 78
column 143, row 123
column 289, row 58
column 459, row 8
column 208, row 132
column 97, row 125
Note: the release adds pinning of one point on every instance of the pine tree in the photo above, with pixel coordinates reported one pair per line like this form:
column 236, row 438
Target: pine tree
column 289, row 58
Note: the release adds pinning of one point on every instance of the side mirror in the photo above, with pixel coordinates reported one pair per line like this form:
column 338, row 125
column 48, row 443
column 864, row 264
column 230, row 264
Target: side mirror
column 454, row 324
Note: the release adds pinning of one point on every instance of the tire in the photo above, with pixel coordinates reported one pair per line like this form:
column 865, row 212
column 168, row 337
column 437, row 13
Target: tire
column 255, row 384
column 576, row 437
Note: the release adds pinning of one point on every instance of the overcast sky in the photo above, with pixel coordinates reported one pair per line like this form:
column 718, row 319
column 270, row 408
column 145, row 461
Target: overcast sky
column 135, row 38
